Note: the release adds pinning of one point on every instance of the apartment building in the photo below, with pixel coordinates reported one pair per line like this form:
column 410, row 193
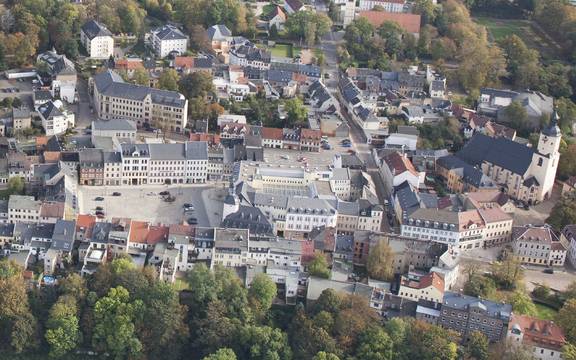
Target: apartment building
column 115, row 99
column 97, row 40
column 305, row 214
column 62, row 73
column 465, row 314
column 23, row 208
column 91, row 168
column 168, row 39
column 112, row 167
column 538, row 245
column 185, row 163
column 568, row 239
column 416, row 286
column 230, row 247
column 396, row 6
column 247, row 54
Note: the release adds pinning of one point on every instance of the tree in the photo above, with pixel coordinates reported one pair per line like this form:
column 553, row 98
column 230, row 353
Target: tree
column 522, row 62
column 273, row 32
column 307, row 25
column 566, row 319
column 426, row 9
column 508, row 350
column 262, row 343
column 222, row 354
column 564, row 212
column 141, row 77
column 17, row 325
column 569, row 352
column 168, row 80
column 307, row 339
column 202, row 280
column 114, row 330
column 516, row 115
column 522, row 303
column 16, row 185
column 321, row 355
column 480, row 286
column 296, row 112
column 477, row 346
column 354, row 318
column 380, row 262
column 2, row 58
column 508, row 272
column 261, row 293
column 16, row 102
column 428, row 342
column 63, row 331
column 375, row 344
column 319, row 266
column 74, row 285
column 197, row 84
column 328, row 301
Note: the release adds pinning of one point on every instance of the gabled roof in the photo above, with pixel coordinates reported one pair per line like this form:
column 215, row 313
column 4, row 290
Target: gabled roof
column 169, row 32
column 219, row 32
column 399, row 164
column 295, row 5
column 537, row 332
column 499, row 151
column 49, row 110
column 94, row 29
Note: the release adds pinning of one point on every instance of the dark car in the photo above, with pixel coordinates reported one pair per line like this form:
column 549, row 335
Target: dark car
column 99, row 198
column 116, row 193
column 188, row 205
column 164, row 193
column 99, row 208
column 99, row 213
column 192, row 221
column 549, row 271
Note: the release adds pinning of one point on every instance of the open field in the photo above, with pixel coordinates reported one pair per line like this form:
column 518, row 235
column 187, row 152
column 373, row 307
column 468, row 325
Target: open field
column 282, row 50
column 498, row 29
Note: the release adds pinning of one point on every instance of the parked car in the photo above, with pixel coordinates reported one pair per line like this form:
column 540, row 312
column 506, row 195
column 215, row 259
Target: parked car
column 116, row 193
column 347, row 145
column 99, row 198
column 549, row 270
column 99, row 213
column 192, row 221
column 100, row 216
column 99, row 208
column 164, row 193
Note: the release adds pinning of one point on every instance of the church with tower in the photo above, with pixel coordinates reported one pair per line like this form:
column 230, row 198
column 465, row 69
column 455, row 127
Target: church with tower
column 525, row 173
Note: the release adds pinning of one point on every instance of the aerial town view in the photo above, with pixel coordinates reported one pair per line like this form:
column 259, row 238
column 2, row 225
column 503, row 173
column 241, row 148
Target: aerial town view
column 288, row 179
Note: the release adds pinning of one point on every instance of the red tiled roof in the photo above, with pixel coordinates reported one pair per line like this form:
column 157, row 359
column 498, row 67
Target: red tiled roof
column 126, row 64
column 51, row 156
column 138, row 232
column 541, row 333
column 156, row 234
column 399, row 164
column 425, row 281
column 310, row 134
column 52, row 209
column 184, row 62
column 176, row 229
column 210, row 138
column 87, row 222
column 408, row 22
column 272, row 133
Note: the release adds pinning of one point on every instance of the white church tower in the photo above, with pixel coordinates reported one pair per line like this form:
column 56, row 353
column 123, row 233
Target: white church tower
column 545, row 161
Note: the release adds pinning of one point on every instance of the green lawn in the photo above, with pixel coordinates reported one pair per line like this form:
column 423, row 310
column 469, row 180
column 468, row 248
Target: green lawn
column 545, row 312
column 498, row 29
column 180, row 285
column 282, row 50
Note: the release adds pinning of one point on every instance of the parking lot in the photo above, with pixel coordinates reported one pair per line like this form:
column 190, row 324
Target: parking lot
column 15, row 88
column 145, row 203
column 322, row 158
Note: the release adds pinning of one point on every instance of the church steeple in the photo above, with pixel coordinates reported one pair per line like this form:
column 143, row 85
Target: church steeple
column 553, row 129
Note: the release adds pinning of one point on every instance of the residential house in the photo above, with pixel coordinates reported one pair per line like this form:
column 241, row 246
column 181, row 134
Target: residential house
column 543, row 337
column 55, row 118
column 275, row 17
column 91, row 167
column 292, row 6
column 220, row 37
column 21, row 118
column 62, row 75
column 22, row 208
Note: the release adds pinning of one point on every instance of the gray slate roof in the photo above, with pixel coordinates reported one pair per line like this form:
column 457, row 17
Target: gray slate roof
column 499, row 151
column 116, row 124
column 49, row 110
column 169, row 32
column 64, row 234
column 111, row 84
column 93, row 29
column 464, row 302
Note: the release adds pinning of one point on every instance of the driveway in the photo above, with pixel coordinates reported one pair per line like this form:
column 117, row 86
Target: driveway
column 84, row 116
